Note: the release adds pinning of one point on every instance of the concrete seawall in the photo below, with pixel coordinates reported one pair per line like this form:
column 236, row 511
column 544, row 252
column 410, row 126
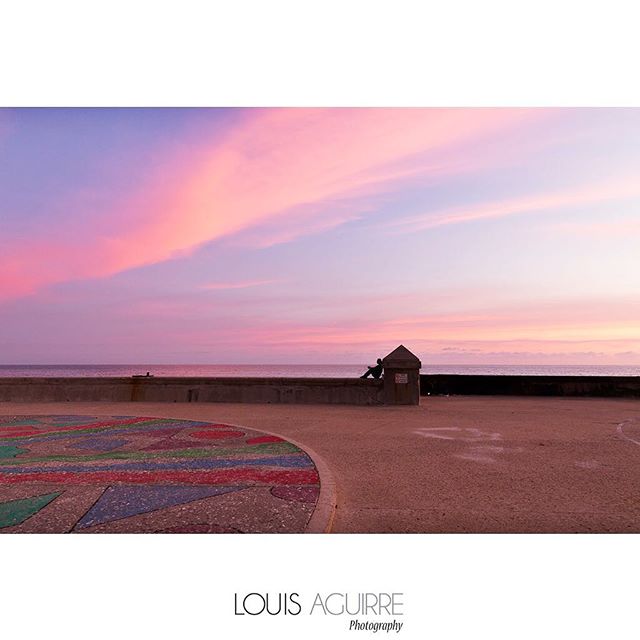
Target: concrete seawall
column 483, row 385
column 244, row 390
column 347, row 391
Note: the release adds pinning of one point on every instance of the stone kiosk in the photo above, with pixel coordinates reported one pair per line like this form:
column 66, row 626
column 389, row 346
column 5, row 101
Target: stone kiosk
column 401, row 377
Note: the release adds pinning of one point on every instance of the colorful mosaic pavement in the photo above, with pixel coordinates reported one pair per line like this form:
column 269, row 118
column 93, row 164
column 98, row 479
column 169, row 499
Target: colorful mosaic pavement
column 126, row 474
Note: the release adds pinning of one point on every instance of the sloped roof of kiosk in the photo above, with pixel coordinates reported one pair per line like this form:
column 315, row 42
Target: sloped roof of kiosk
column 401, row 357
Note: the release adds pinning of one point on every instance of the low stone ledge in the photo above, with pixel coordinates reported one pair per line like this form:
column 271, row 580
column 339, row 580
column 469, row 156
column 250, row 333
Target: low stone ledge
column 161, row 389
column 496, row 385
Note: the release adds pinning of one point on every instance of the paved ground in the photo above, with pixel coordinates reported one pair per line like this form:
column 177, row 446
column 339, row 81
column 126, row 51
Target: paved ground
column 123, row 474
column 464, row 464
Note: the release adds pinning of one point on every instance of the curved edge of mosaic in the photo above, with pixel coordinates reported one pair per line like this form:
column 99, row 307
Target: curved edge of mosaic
column 130, row 474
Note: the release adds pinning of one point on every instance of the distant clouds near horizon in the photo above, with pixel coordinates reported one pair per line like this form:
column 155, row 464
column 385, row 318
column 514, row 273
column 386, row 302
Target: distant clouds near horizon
column 320, row 235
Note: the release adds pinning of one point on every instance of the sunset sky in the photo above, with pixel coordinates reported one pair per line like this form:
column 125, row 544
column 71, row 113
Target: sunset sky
column 319, row 236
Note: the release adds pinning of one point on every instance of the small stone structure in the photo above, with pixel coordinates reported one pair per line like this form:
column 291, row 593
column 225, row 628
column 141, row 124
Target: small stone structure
column 401, row 377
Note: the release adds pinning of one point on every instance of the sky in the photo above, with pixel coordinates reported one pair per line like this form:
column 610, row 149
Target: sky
column 472, row 236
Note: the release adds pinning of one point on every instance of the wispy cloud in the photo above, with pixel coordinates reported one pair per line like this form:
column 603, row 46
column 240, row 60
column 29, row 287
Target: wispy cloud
column 606, row 228
column 605, row 326
column 245, row 284
column 609, row 191
column 270, row 164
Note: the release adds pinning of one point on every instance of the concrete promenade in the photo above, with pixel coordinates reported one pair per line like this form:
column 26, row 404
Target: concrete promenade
column 457, row 464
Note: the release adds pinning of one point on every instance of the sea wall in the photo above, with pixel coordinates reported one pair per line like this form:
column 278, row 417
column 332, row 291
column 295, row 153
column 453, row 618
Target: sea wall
column 487, row 385
column 302, row 390
column 246, row 390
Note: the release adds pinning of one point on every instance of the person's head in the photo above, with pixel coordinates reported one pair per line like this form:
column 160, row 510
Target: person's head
column 379, row 361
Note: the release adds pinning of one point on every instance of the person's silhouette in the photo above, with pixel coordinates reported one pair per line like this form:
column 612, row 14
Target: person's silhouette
column 375, row 372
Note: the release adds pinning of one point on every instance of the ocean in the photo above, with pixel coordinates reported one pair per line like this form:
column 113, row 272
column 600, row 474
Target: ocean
column 300, row 370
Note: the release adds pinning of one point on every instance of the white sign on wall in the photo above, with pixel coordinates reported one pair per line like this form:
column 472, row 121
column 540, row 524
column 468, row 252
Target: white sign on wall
column 402, row 378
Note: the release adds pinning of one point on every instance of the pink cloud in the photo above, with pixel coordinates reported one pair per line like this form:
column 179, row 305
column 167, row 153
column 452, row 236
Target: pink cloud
column 612, row 190
column 609, row 228
column 274, row 162
column 606, row 327
column 245, row 284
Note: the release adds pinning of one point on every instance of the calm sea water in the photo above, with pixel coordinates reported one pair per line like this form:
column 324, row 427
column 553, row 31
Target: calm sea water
column 301, row 370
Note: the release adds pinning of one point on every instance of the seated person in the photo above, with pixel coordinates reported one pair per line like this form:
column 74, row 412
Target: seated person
column 375, row 372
